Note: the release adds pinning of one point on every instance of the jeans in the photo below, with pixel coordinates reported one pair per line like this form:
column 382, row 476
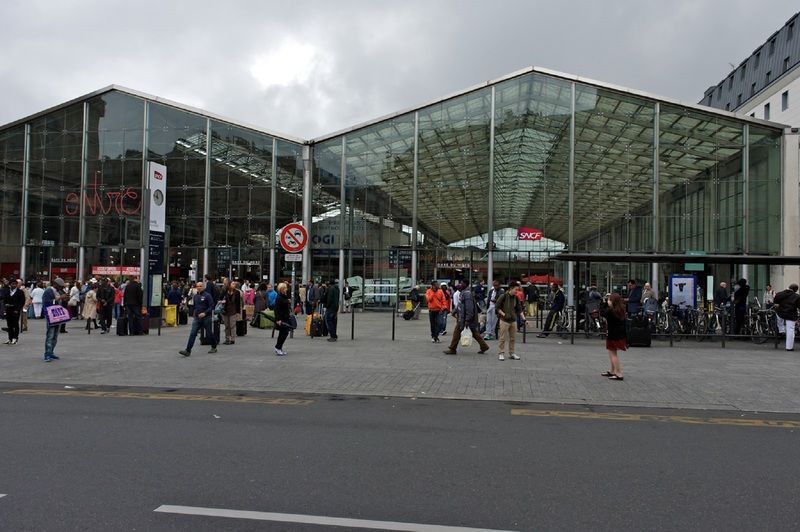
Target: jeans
column 51, row 339
column 443, row 321
column 331, row 319
column 433, row 315
column 491, row 320
column 116, row 311
column 133, row 313
column 787, row 326
column 206, row 323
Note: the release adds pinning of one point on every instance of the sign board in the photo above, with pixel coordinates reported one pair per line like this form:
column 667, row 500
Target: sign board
column 155, row 293
column 527, row 233
column 129, row 271
column 683, row 291
column 156, row 255
column 158, row 196
column 293, row 238
column 246, row 263
column 293, row 257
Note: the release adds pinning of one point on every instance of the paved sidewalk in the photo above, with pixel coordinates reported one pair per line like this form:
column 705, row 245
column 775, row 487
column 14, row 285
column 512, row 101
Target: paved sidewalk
column 690, row 375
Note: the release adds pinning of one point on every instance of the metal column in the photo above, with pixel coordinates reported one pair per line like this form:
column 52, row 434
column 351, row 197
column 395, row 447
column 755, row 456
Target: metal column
column 746, row 191
column 273, row 202
column 26, row 182
column 654, row 280
column 307, row 192
column 571, row 233
column 84, row 171
column 144, row 233
column 490, row 234
column 414, row 200
column 207, row 201
column 342, row 210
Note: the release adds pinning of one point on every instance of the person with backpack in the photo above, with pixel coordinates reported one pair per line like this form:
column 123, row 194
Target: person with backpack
column 508, row 308
column 786, row 304
column 466, row 315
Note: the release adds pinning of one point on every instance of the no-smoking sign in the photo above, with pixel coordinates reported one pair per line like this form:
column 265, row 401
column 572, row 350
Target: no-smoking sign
column 294, row 238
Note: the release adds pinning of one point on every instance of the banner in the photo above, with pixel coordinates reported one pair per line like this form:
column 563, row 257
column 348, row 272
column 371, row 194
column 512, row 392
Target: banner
column 158, row 196
column 683, row 291
column 526, row 233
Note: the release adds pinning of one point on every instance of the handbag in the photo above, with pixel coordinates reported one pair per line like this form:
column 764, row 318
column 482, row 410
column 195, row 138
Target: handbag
column 57, row 314
column 466, row 339
column 291, row 322
column 220, row 308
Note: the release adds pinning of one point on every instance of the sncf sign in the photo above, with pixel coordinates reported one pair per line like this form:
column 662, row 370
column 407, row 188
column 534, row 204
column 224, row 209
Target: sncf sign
column 526, row 233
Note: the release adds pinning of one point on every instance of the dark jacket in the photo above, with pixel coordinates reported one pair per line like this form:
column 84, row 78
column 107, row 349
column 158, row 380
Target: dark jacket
column 467, row 309
column 634, row 300
column 133, row 294
column 106, row 294
column 558, row 301
column 202, row 304
column 259, row 301
column 211, row 290
column 740, row 296
column 532, row 293
column 786, row 304
column 332, row 298
column 616, row 326
column 174, row 297
column 233, row 303
column 282, row 308
column 14, row 303
column 510, row 306
column 721, row 297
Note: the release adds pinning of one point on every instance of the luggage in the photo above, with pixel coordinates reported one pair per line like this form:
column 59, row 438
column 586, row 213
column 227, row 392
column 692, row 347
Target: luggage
column 241, row 328
column 309, row 320
column 207, row 341
column 318, row 327
column 144, row 324
column 639, row 332
column 183, row 318
column 122, row 326
column 408, row 314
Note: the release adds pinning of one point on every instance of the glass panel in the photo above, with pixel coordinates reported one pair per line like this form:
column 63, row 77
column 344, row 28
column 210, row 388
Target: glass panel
column 325, row 209
column 765, row 191
column 289, row 200
column 239, row 157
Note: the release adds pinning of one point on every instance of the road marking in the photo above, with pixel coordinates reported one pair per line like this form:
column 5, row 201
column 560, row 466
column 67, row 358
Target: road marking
column 314, row 519
column 764, row 423
column 165, row 396
column 2, row 495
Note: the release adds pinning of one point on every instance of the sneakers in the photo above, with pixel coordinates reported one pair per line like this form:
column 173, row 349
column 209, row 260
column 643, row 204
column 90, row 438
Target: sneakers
column 7, row 342
column 482, row 351
column 512, row 356
column 279, row 352
column 449, row 352
column 488, row 337
column 14, row 341
column 501, row 357
column 433, row 340
column 54, row 357
column 331, row 339
column 212, row 350
column 184, row 352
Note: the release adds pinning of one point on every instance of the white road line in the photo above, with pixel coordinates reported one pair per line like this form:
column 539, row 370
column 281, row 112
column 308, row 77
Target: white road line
column 315, row 519
column 2, row 495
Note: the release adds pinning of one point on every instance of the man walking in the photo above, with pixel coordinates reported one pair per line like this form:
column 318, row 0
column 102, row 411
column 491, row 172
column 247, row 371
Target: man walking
column 786, row 304
column 508, row 309
column 332, row 310
column 203, row 318
column 133, row 300
column 466, row 315
column 14, row 300
column 105, row 300
column 54, row 295
column 491, row 313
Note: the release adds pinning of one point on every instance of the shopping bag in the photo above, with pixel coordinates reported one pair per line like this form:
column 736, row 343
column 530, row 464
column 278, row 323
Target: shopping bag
column 57, row 314
column 466, row 338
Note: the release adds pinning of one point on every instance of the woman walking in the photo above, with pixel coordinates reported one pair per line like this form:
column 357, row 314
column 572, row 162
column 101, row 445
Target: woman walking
column 90, row 308
column 616, row 337
column 282, row 316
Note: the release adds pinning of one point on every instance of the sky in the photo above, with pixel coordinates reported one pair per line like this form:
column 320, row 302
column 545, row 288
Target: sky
column 308, row 68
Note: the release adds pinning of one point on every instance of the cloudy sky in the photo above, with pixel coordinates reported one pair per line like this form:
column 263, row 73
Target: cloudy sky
column 307, row 68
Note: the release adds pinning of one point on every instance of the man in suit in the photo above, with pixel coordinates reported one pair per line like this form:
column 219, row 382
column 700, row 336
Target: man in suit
column 14, row 300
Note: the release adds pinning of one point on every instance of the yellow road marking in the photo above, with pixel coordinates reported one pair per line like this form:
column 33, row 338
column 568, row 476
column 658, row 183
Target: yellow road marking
column 165, row 396
column 771, row 423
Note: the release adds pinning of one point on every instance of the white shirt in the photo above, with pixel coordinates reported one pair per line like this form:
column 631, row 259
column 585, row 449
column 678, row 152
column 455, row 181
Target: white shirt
column 36, row 294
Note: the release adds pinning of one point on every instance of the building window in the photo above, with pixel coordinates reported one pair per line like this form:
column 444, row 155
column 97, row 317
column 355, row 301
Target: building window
column 766, row 111
column 719, row 92
column 739, row 99
column 753, row 89
column 753, row 115
column 785, row 100
column 727, row 107
column 786, row 64
column 758, row 59
column 790, row 32
column 769, row 77
column 710, row 98
column 744, row 69
column 730, row 81
column 771, row 47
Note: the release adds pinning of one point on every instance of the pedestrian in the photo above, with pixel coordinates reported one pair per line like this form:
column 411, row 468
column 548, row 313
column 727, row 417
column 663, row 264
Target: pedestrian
column 211, row 290
column 436, row 305
column 347, row 293
column 105, row 304
column 75, row 299
column 272, row 296
column 54, row 295
column 634, row 300
column 508, row 307
column 740, row 305
column 414, row 297
column 332, row 306
column 133, row 300
column 117, row 301
column 301, row 294
column 556, row 306
column 786, row 304
column 89, row 311
column 283, row 313
column 447, row 309
column 769, row 296
column 28, row 301
column 466, row 320
column 614, row 313
column 231, row 312
column 36, row 297
column 203, row 307
column 532, row 298
column 491, row 314
column 14, row 301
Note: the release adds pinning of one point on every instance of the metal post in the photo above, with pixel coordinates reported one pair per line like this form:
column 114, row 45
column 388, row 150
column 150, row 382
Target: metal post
column 654, row 280
column 414, row 204
column 746, row 193
column 144, row 233
column 273, row 202
column 397, row 292
column 571, row 207
column 342, row 209
column 26, row 183
column 307, row 193
column 490, row 234
column 84, row 174
column 207, row 202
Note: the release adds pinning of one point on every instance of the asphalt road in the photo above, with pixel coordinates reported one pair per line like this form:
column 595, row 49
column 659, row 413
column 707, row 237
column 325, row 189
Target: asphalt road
column 78, row 462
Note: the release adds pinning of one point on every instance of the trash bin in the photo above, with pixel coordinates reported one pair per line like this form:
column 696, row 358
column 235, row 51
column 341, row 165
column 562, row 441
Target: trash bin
column 409, row 305
column 171, row 315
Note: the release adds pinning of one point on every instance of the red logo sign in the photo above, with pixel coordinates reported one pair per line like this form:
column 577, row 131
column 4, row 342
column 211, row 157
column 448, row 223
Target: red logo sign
column 158, row 175
column 526, row 233
column 122, row 203
column 294, row 238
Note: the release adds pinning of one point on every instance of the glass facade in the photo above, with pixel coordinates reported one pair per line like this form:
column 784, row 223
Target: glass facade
column 495, row 181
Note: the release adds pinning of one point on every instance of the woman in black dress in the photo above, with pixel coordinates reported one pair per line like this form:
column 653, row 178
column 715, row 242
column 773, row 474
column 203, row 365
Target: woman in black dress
column 616, row 339
column 282, row 312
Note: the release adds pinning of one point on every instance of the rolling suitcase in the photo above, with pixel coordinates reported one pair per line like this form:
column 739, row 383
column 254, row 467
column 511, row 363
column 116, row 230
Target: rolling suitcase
column 639, row 333
column 241, row 328
column 318, row 326
column 207, row 341
column 309, row 321
column 122, row 326
column 183, row 318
